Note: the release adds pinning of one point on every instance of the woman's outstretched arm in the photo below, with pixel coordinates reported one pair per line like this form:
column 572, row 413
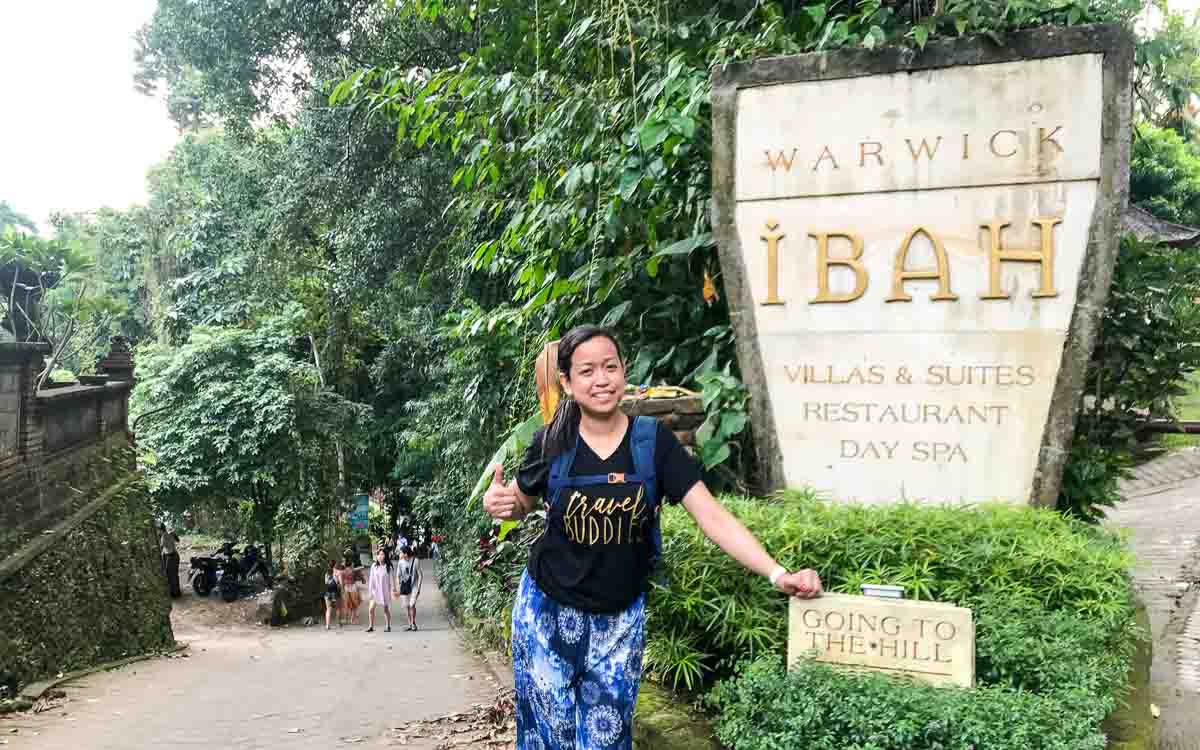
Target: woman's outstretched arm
column 728, row 533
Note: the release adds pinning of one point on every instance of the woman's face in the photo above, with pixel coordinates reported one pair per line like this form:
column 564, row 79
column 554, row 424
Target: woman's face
column 597, row 380
column 379, row 556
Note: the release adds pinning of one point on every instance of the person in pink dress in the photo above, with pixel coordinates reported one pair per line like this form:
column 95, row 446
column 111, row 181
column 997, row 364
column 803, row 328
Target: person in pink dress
column 379, row 586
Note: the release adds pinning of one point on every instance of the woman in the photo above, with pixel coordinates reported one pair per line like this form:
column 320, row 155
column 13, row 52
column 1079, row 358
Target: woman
column 350, row 598
column 408, row 572
column 333, row 592
column 579, row 614
column 379, row 586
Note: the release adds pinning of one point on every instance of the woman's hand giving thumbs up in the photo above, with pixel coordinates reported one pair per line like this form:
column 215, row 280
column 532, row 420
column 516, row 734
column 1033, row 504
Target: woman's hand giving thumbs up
column 503, row 502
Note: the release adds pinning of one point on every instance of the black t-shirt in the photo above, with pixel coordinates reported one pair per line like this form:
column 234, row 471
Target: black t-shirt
column 596, row 553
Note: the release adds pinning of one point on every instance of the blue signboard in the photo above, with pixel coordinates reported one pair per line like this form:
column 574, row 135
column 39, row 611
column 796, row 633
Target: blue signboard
column 358, row 516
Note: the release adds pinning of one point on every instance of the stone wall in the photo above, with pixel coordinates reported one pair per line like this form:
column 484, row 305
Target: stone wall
column 90, row 592
column 55, row 444
column 81, row 582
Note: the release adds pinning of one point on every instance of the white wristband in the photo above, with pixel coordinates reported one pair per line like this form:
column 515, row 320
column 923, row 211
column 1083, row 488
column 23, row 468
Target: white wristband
column 777, row 573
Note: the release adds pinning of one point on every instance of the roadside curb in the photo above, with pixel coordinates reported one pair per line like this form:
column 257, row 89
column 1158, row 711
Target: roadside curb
column 500, row 669
column 36, row 690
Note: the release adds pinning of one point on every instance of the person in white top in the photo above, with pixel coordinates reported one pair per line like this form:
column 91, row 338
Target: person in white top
column 167, row 542
column 409, row 573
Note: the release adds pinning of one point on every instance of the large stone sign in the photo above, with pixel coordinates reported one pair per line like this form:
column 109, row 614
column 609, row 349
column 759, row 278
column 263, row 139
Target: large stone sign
column 925, row 640
column 917, row 248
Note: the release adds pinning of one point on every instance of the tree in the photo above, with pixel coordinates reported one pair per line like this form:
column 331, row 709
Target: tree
column 1164, row 174
column 1168, row 71
column 1148, row 344
column 121, row 246
column 234, row 415
column 235, row 62
column 49, row 294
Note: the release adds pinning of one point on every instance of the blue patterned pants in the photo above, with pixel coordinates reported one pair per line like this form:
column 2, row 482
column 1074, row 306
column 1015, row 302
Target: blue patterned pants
column 577, row 674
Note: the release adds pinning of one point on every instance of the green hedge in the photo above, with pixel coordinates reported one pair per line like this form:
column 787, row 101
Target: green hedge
column 817, row 708
column 1054, row 611
column 996, row 559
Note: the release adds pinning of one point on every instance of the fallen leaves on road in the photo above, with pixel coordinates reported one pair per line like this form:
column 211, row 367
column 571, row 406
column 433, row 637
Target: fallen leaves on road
column 50, row 700
column 486, row 726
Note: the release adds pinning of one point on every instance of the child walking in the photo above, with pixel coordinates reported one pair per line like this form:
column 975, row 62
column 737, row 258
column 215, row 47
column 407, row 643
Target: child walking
column 379, row 586
column 350, row 601
column 409, row 575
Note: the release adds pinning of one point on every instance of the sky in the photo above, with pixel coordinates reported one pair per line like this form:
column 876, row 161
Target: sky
column 74, row 135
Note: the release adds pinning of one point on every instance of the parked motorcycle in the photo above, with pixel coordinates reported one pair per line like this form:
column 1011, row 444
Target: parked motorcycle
column 225, row 571
column 207, row 572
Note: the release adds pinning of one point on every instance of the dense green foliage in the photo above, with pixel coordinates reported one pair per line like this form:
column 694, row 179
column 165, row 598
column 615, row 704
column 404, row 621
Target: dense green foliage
column 994, row 559
column 1149, row 332
column 1148, row 344
column 1148, row 340
column 818, row 708
column 235, row 415
column 1164, row 175
column 1168, row 71
column 1054, row 614
column 48, row 293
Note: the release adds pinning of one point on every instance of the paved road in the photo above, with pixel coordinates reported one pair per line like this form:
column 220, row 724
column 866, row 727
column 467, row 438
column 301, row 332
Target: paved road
column 246, row 688
column 1162, row 515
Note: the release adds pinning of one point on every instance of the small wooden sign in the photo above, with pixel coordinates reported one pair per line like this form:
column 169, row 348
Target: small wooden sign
column 929, row 641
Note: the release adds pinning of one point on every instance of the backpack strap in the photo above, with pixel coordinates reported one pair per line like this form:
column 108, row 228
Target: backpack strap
column 560, row 469
column 643, row 444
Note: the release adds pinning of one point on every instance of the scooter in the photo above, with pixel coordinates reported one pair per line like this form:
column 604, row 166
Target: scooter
column 220, row 570
column 207, row 572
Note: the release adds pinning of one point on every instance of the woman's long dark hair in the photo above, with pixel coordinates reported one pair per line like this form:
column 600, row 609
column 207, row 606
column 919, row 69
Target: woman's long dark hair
column 564, row 428
column 387, row 559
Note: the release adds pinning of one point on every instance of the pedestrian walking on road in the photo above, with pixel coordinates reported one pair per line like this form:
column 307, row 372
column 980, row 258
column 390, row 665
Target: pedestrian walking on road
column 167, row 541
column 390, row 553
column 350, row 597
column 333, row 592
column 409, row 575
column 580, row 611
column 379, row 586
